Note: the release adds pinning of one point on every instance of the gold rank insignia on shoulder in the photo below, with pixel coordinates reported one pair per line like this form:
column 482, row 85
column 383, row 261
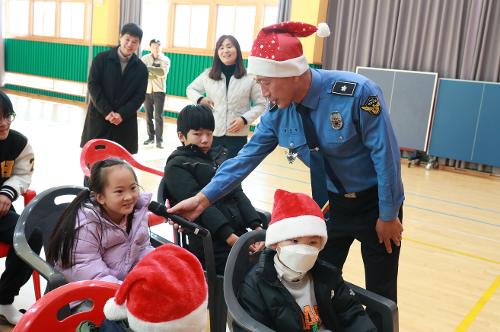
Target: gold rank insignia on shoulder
column 372, row 105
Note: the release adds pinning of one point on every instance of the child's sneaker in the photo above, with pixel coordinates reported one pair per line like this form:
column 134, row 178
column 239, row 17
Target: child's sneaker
column 10, row 313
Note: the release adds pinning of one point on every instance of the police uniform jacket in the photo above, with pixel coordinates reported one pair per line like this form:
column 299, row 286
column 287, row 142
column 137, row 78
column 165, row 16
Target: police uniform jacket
column 111, row 90
column 355, row 134
column 265, row 298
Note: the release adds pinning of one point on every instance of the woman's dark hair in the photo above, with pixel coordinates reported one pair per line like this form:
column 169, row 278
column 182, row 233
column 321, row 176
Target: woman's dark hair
column 62, row 241
column 215, row 71
column 195, row 117
column 132, row 29
column 6, row 105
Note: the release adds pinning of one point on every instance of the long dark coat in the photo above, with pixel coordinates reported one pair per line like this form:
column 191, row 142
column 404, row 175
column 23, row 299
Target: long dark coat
column 112, row 90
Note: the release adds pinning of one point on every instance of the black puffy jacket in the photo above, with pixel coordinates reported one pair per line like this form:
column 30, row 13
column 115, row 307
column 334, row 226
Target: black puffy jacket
column 265, row 298
column 187, row 171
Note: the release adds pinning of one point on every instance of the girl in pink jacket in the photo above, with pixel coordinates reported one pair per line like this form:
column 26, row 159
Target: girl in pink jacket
column 104, row 232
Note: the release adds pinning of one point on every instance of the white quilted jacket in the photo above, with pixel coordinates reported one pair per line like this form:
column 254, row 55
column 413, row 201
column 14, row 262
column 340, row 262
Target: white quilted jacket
column 231, row 104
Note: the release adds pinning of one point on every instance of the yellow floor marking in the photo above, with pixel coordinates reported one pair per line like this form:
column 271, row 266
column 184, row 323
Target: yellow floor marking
column 467, row 321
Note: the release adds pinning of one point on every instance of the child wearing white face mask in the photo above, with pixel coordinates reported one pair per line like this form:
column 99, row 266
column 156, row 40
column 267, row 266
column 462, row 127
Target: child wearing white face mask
column 289, row 289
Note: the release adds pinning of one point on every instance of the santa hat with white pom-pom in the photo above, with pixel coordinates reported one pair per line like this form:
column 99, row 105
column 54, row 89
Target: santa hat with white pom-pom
column 277, row 51
column 166, row 291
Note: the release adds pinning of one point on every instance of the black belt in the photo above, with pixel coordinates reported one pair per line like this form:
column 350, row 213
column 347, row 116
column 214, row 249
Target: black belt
column 354, row 195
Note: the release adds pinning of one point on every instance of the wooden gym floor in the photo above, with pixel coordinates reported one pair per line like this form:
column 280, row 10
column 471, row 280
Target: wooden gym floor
column 449, row 275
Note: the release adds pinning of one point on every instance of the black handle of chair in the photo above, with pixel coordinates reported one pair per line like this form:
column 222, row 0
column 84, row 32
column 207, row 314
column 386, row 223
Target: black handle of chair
column 238, row 315
column 208, row 251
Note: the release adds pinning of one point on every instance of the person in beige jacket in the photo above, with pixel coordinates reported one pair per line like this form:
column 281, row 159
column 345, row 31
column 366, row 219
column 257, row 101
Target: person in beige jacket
column 158, row 66
column 233, row 95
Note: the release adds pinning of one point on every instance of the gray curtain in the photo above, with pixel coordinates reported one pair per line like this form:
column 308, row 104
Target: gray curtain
column 2, row 65
column 284, row 10
column 455, row 38
column 130, row 12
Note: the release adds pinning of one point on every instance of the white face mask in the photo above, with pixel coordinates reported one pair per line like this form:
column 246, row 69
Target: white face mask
column 298, row 257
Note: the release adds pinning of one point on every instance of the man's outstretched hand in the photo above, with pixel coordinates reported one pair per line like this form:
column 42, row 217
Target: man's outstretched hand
column 190, row 208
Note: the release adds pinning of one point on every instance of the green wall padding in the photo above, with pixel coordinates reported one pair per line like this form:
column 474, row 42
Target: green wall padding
column 184, row 68
column 62, row 61
column 69, row 62
column 54, row 60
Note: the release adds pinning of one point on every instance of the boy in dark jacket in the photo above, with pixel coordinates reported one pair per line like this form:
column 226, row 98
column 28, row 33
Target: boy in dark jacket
column 289, row 289
column 190, row 168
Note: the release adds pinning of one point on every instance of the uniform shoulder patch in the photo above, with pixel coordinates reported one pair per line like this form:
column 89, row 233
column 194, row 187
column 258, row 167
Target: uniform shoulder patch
column 344, row 88
column 372, row 105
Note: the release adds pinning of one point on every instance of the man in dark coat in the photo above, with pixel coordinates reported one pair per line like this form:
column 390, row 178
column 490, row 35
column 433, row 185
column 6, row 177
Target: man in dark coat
column 117, row 86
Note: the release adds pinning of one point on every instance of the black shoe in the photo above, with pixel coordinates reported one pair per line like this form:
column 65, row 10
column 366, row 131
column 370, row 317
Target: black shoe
column 159, row 146
column 149, row 141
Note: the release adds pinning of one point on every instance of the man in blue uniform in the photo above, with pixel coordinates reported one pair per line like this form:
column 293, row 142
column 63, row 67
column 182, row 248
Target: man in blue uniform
column 341, row 119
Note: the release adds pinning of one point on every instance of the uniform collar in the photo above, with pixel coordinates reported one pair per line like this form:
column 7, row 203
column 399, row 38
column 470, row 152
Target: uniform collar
column 311, row 100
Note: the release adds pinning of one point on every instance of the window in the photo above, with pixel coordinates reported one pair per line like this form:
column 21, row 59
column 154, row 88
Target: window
column 191, row 26
column 270, row 15
column 197, row 24
column 20, row 10
column 237, row 21
column 42, row 19
column 72, row 20
column 154, row 17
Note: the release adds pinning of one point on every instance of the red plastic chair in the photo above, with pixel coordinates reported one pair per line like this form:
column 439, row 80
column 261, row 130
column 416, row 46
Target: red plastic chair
column 100, row 149
column 4, row 248
column 42, row 316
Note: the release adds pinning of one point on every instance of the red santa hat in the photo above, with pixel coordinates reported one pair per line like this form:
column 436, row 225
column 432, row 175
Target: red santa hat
column 166, row 291
column 295, row 215
column 277, row 52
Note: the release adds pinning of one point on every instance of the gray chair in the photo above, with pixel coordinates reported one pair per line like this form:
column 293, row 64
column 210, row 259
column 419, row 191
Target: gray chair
column 41, row 216
column 216, row 305
column 239, row 263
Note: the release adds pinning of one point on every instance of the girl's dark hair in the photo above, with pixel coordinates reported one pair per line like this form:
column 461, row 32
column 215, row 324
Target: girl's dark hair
column 195, row 117
column 62, row 241
column 215, row 71
column 6, row 105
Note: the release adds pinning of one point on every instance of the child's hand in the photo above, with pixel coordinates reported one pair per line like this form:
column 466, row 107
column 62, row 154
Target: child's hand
column 5, row 204
column 207, row 102
column 256, row 247
column 231, row 239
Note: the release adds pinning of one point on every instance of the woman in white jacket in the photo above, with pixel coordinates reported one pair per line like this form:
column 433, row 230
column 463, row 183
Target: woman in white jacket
column 234, row 97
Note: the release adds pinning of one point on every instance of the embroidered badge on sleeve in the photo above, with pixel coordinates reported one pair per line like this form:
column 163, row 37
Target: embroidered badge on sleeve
column 372, row 105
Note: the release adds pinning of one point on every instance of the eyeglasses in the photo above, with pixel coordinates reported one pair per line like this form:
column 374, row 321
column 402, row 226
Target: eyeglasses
column 9, row 118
